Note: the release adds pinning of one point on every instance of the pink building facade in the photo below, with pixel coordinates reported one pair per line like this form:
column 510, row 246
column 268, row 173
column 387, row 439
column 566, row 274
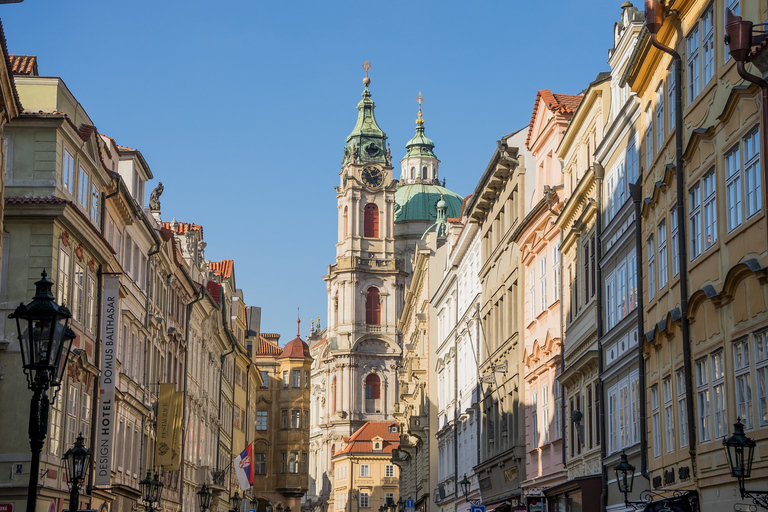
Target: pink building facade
column 539, row 242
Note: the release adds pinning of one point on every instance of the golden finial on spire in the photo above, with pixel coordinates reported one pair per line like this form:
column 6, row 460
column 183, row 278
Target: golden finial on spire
column 366, row 67
column 420, row 100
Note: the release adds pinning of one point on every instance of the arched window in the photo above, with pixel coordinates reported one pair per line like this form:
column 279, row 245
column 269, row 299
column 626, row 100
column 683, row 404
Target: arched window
column 346, row 222
column 413, row 173
column 333, row 393
column 371, row 228
column 372, row 386
column 372, row 393
column 424, row 173
column 372, row 307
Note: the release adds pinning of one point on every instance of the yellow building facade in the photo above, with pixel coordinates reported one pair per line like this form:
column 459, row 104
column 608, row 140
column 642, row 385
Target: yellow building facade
column 698, row 387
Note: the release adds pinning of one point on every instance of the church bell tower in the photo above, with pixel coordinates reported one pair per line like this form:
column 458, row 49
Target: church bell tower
column 354, row 374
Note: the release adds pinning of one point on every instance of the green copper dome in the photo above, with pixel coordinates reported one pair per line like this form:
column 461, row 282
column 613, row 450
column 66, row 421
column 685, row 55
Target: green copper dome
column 419, row 202
column 367, row 139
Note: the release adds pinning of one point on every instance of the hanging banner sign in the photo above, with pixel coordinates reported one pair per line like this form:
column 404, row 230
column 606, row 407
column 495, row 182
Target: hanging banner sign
column 105, row 416
column 168, row 427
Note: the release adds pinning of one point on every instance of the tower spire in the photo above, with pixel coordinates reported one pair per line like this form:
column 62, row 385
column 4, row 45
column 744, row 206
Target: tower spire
column 367, row 142
column 420, row 145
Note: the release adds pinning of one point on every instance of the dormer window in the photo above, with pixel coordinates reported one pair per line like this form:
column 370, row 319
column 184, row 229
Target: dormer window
column 393, row 429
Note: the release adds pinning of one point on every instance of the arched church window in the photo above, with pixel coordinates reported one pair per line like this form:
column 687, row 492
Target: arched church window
column 371, row 228
column 372, row 307
column 424, row 172
column 346, row 222
column 372, row 393
column 413, row 173
column 372, row 386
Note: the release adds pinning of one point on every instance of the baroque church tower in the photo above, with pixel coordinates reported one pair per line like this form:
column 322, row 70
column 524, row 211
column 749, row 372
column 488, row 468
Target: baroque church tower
column 354, row 374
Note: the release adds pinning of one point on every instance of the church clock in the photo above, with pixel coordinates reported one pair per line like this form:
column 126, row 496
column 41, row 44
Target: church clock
column 372, row 176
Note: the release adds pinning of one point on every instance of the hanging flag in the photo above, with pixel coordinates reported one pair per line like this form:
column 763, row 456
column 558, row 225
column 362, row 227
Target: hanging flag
column 243, row 468
column 168, row 427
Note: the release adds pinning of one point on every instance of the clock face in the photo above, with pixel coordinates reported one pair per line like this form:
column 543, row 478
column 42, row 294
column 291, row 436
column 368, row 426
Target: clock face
column 372, row 176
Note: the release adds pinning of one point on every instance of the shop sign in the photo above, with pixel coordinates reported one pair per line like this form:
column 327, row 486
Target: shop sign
column 6, row 507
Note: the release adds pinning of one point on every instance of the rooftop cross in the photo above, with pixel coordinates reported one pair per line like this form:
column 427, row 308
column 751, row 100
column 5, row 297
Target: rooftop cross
column 366, row 67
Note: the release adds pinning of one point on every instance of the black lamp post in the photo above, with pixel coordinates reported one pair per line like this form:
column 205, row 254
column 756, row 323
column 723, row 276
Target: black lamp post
column 279, row 507
column 400, row 504
column 204, row 496
column 77, row 460
column 741, row 451
column 45, row 339
column 151, row 490
column 235, row 500
column 465, row 484
column 625, row 477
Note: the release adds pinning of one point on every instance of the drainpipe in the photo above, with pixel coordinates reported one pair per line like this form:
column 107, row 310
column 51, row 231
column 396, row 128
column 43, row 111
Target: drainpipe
column 653, row 21
column 597, row 168
column 636, row 191
column 198, row 297
column 563, row 451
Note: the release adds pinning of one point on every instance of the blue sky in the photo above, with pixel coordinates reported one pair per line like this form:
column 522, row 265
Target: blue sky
column 241, row 108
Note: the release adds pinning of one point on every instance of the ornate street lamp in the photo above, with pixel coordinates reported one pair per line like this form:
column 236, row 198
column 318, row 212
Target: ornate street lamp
column 77, row 460
column 45, row 339
column 204, row 496
column 465, row 484
column 279, row 507
column 625, row 477
column 235, row 500
column 151, row 490
column 740, row 450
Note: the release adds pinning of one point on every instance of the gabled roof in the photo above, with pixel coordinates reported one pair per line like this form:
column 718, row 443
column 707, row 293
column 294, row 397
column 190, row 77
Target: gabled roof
column 557, row 103
column 23, row 65
column 360, row 441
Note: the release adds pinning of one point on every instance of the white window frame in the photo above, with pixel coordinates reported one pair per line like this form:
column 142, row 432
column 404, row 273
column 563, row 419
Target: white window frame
column 673, row 240
column 753, row 200
column 703, row 400
column 761, row 374
column 649, row 150
column 662, row 234
column 67, row 170
column 651, row 249
column 660, row 131
column 365, row 501
column 656, row 427
column 556, row 269
column 669, row 418
column 532, row 293
column 534, row 421
column 692, row 63
column 543, row 281
column 743, row 380
column 719, row 409
column 694, row 221
column 682, row 408
column 365, row 471
column 545, row 411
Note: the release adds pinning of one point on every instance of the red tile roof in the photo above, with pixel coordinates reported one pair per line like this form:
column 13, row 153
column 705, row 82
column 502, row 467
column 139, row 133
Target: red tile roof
column 267, row 348
column 23, row 64
column 214, row 289
column 223, row 268
column 296, row 348
column 360, row 441
column 183, row 227
column 557, row 103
